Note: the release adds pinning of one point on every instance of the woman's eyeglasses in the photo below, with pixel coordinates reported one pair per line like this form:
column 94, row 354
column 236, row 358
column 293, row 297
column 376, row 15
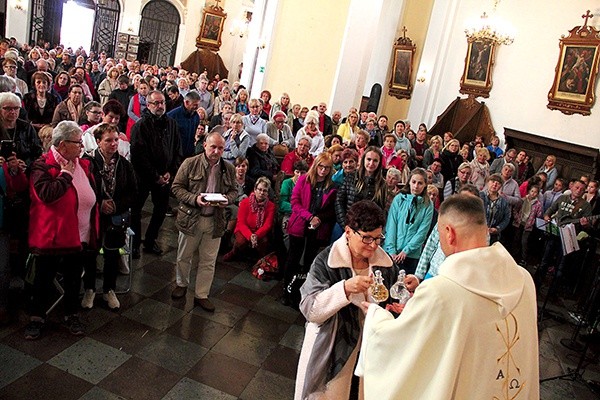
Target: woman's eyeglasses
column 370, row 239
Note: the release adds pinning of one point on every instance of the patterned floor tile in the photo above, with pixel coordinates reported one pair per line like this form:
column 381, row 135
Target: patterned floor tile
column 225, row 313
column 247, row 280
column 155, row 314
column 268, row 386
column 190, row 389
column 245, row 347
column 14, row 364
column 199, row 330
column 90, row 360
column 172, row 353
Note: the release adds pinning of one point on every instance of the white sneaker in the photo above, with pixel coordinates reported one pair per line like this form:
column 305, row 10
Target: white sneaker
column 111, row 299
column 88, row 299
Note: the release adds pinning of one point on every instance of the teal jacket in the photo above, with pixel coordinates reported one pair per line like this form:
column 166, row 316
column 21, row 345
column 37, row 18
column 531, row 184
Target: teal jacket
column 408, row 222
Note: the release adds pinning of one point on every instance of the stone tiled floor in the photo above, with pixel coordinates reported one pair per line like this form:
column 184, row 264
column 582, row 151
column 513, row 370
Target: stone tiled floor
column 159, row 348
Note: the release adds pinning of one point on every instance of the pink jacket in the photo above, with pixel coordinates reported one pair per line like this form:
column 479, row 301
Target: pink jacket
column 300, row 201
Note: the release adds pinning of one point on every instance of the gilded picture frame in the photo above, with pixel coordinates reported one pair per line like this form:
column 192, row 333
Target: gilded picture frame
column 211, row 29
column 574, row 84
column 476, row 79
column 401, row 78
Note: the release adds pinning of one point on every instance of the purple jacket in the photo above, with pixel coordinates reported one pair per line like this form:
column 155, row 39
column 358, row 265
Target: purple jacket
column 300, row 210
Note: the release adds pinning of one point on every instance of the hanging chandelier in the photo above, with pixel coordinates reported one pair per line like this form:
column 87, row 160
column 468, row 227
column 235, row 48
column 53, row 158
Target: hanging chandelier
column 490, row 29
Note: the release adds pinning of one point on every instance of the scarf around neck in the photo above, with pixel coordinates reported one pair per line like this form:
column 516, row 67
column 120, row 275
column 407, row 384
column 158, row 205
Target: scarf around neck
column 258, row 208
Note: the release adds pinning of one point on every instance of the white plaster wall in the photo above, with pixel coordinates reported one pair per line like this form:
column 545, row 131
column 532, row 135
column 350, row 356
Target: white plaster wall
column 523, row 73
column 356, row 53
column 17, row 21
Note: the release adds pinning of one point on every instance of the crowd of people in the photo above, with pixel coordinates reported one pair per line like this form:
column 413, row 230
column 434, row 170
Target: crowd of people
column 87, row 138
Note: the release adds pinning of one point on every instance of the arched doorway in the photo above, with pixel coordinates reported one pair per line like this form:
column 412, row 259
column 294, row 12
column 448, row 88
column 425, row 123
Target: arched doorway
column 106, row 25
column 159, row 29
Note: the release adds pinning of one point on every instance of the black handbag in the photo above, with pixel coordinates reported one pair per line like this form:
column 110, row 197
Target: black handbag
column 115, row 235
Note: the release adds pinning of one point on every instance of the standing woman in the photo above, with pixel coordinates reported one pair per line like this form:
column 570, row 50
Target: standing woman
column 253, row 123
column 451, row 159
column 367, row 183
column 91, row 115
column 116, row 183
column 236, row 139
column 480, row 169
column 313, row 216
column 332, row 297
column 109, row 84
column 63, row 225
column 40, row 103
column 71, row 108
column 408, row 222
column 434, row 150
column 348, row 130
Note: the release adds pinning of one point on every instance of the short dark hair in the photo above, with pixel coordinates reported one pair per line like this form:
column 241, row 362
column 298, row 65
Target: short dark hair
column 103, row 128
column 365, row 216
column 123, row 79
column 113, row 106
column 301, row 165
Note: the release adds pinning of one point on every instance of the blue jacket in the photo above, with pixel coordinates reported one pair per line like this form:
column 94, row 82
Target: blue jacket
column 408, row 222
column 186, row 123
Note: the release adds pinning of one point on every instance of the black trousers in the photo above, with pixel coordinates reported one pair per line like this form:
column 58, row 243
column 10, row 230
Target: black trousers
column 309, row 245
column 46, row 267
column 160, row 201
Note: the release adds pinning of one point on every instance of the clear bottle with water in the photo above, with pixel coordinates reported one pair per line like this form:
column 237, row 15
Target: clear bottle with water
column 398, row 290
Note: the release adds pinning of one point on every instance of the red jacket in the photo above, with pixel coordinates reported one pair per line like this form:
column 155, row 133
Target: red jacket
column 53, row 224
column 246, row 220
column 287, row 165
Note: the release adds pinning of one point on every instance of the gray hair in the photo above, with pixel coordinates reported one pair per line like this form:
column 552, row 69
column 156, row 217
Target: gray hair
column 192, row 96
column 7, row 84
column 307, row 138
column 511, row 166
column 394, row 172
column 312, row 116
column 64, row 131
column 9, row 98
column 263, row 136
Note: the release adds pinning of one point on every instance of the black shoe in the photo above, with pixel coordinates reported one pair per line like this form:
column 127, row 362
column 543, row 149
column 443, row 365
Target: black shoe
column 33, row 330
column 170, row 212
column 135, row 254
column 74, row 325
column 154, row 249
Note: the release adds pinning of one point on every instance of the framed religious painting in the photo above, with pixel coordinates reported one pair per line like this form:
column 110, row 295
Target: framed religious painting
column 211, row 28
column 403, row 53
column 479, row 63
column 572, row 90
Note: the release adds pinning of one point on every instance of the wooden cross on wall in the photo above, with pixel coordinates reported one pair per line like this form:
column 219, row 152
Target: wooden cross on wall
column 587, row 16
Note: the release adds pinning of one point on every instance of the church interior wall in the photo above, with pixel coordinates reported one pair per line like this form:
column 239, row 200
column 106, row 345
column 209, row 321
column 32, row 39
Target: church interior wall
column 523, row 71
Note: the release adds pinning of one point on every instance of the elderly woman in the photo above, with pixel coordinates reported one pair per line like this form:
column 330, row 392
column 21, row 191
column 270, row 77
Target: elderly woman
column 253, row 123
column 236, row 139
column 280, row 132
column 311, row 129
column 40, row 103
column 362, row 141
column 349, row 163
column 262, row 160
column 254, row 222
column 335, row 288
column 300, row 153
column 480, row 168
column 117, row 188
column 408, row 222
column 71, row 108
column 348, row 129
column 312, row 219
column 25, row 140
column 109, row 84
column 63, row 225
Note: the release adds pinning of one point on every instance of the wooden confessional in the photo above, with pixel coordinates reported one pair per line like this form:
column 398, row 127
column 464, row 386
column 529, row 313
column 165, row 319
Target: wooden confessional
column 465, row 118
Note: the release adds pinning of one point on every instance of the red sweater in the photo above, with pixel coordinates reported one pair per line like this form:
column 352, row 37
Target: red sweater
column 53, row 223
column 246, row 220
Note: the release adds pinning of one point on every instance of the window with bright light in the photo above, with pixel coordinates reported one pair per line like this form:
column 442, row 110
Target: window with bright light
column 77, row 26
